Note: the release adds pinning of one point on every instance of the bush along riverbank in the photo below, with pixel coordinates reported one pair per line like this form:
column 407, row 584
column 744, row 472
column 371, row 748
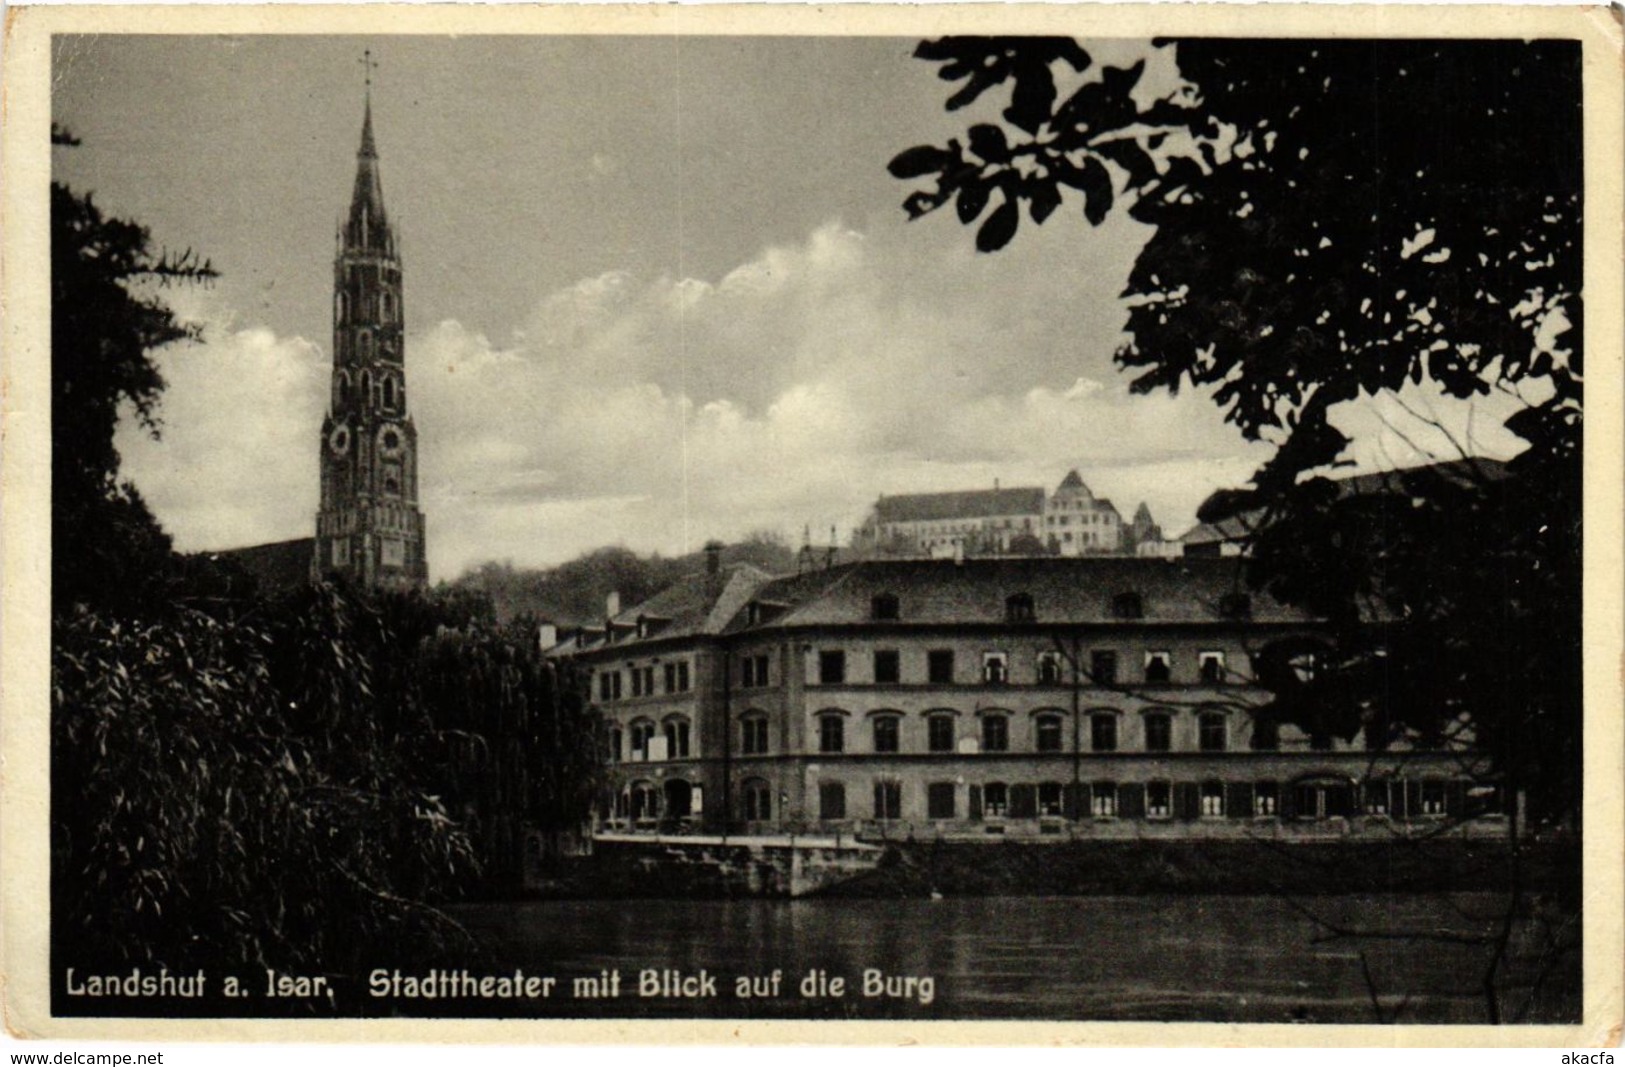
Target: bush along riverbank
column 1090, row 868
column 672, row 869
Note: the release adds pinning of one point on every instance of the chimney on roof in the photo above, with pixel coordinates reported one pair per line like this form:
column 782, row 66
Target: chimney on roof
column 612, row 604
column 547, row 635
column 713, row 558
column 829, row 555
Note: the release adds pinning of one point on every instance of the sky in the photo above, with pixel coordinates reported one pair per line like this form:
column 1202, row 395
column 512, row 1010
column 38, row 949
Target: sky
column 657, row 290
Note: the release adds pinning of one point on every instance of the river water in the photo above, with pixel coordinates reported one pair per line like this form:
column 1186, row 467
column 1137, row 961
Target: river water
column 1253, row 959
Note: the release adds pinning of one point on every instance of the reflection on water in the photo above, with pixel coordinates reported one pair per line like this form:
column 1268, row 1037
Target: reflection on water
column 1158, row 957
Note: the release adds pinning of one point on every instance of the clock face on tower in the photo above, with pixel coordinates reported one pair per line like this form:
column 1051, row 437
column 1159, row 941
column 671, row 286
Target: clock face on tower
column 339, row 440
column 390, row 442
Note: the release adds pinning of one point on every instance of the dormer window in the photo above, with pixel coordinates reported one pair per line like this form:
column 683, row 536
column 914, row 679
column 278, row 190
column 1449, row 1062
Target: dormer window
column 1235, row 605
column 1018, row 608
column 1128, row 606
column 884, row 607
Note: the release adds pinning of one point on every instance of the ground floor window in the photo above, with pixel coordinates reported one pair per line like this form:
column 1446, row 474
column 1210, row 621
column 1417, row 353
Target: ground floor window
column 1212, row 800
column 995, row 800
column 1158, row 800
column 939, row 800
column 756, row 799
column 1103, row 800
column 1433, row 794
column 1321, row 800
column 1377, row 799
column 831, row 800
column 1266, row 798
column 1049, row 798
column 645, row 802
column 888, row 800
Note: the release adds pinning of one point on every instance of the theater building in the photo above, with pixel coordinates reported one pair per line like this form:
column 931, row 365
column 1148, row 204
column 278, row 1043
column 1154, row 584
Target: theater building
column 1016, row 697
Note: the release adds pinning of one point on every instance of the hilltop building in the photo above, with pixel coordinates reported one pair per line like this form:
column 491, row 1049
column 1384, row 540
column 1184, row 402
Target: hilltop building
column 1016, row 696
column 1025, row 521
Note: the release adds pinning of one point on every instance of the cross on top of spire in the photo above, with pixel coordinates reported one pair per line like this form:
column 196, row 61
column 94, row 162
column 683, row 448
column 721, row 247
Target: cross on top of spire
column 369, row 65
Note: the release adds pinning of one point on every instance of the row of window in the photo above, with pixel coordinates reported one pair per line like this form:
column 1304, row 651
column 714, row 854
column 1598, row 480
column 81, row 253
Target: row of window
column 648, row 745
column 389, row 393
column 1018, row 607
column 676, row 677
column 1050, row 668
column 1160, row 799
column 994, row 802
column 942, row 734
column 1049, row 732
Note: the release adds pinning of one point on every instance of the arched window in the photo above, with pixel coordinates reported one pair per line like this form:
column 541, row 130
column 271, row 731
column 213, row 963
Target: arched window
column 996, row 733
column 645, row 802
column 753, row 733
column 1103, row 731
column 642, row 732
column 1159, row 731
column 366, row 388
column 389, row 391
column 831, row 731
column 755, row 800
column 1047, row 733
column 366, row 346
column 677, row 737
column 341, row 388
column 886, row 733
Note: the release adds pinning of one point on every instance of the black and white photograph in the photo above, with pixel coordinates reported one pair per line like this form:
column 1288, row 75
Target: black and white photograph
column 921, row 521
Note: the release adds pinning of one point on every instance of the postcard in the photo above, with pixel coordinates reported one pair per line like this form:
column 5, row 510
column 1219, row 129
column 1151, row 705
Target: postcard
column 1032, row 525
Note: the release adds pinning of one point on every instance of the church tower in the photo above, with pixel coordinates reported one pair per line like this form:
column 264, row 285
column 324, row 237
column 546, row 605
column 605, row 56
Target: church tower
column 369, row 528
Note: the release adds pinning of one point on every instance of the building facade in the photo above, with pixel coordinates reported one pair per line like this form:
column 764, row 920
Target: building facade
column 369, row 527
column 1016, row 697
column 1022, row 521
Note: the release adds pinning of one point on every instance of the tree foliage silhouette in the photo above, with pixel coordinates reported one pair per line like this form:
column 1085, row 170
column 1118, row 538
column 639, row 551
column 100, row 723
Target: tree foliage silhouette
column 1336, row 220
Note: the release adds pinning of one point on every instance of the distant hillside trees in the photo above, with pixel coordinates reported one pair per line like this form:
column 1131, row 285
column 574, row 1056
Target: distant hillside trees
column 576, row 592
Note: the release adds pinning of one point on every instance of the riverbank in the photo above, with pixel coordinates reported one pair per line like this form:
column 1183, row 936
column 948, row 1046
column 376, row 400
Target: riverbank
column 900, row 870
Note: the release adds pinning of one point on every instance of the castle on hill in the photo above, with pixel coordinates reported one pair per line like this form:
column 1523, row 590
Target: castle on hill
column 1023, row 521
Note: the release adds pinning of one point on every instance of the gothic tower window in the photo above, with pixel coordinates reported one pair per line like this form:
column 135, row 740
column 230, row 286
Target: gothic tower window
column 366, row 387
column 389, row 392
column 366, row 346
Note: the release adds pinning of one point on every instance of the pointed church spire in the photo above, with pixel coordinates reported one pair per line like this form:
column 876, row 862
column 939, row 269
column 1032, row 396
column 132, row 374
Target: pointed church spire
column 367, row 227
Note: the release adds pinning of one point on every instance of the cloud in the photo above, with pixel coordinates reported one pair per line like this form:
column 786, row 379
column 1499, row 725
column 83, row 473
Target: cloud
column 657, row 412
column 236, row 460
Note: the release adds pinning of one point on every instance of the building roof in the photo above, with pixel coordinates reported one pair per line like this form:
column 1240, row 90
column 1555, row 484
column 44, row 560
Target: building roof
column 1459, row 473
column 1073, row 480
column 696, row 604
column 967, row 504
column 1065, row 590
column 276, row 567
